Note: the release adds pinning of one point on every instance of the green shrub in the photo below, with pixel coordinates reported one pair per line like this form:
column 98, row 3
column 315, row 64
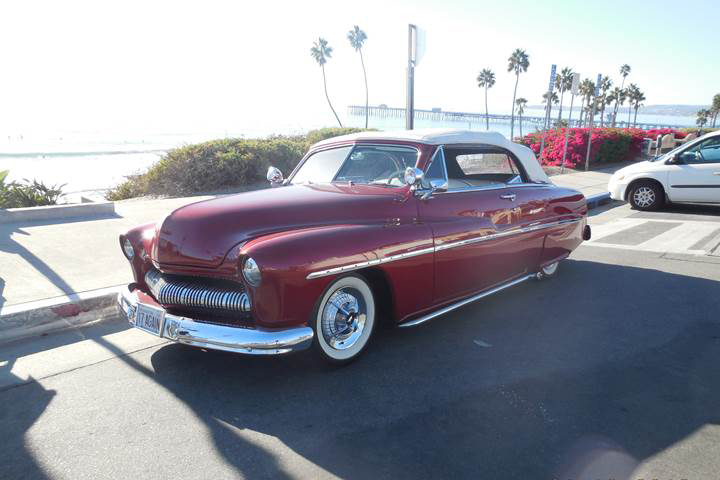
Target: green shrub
column 221, row 165
column 30, row 194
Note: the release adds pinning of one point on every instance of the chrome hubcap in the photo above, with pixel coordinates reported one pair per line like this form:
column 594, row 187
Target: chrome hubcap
column 343, row 318
column 644, row 197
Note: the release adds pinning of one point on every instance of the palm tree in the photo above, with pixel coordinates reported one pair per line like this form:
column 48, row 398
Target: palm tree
column 486, row 79
column 553, row 96
column 702, row 117
column 605, row 99
column 715, row 108
column 321, row 52
column 521, row 102
column 624, row 71
column 636, row 96
column 587, row 90
column 618, row 96
column 518, row 62
column 357, row 38
column 563, row 83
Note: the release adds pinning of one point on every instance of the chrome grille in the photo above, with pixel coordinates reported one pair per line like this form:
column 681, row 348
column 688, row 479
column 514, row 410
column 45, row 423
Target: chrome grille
column 168, row 290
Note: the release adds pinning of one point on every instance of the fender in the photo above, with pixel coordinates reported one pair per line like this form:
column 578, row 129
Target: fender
column 290, row 263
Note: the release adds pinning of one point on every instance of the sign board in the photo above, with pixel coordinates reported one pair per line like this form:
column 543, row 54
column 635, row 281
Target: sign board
column 597, row 85
column 553, row 74
column 418, row 50
column 575, row 83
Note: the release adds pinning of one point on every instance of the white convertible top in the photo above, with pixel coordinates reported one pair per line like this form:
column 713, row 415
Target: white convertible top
column 436, row 136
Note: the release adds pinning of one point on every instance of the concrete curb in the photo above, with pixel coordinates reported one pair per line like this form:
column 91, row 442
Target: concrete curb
column 56, row 212
column 594, row 201
column 60, row 313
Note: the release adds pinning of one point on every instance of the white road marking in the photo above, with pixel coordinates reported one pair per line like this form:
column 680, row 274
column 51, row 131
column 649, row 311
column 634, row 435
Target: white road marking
column 480, row 343
column 678, row 239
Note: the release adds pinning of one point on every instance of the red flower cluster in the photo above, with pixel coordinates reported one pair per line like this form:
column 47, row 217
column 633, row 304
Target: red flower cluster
column 607, row 144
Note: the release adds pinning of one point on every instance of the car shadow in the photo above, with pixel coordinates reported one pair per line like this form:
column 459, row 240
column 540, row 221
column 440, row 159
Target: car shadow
column 683, row 211
column 586, row 375
column 623, row 368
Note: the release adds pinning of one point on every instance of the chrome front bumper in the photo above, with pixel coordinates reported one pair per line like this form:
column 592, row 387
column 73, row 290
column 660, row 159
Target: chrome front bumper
column 220, row 337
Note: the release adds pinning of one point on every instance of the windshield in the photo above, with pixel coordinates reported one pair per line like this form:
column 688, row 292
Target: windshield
column 377, row 165
column 672, row 152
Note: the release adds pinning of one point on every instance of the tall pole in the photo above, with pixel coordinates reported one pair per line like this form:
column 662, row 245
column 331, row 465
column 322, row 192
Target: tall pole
column 592, row 117
column 567, row 133
column 574, row 89
column 410, row 103
column 551, row 86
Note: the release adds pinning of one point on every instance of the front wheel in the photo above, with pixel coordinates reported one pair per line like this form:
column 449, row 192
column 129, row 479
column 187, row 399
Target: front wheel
column 646, row 196
column 344, row 320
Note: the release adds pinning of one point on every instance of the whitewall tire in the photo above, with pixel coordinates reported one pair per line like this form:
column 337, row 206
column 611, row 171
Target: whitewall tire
column 549, row 270
column 344, row 320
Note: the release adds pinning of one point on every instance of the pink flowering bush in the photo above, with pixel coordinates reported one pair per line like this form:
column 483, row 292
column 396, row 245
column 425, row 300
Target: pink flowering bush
column 607, row 144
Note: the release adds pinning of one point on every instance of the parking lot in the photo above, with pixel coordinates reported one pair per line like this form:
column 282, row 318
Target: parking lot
column 608, row 370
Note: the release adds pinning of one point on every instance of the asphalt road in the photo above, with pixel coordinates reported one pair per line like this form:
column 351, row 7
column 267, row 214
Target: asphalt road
column 609, row 370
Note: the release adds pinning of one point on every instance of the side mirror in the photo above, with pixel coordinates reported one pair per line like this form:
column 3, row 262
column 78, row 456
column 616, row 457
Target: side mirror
column 274, row 176
column 436, row 186
column 413, row 176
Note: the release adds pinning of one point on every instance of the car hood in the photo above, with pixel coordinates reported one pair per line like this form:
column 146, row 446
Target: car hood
column 201, row 234
column 640, row 167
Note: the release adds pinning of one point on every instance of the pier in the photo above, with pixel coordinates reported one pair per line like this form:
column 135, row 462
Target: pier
column 445, row 116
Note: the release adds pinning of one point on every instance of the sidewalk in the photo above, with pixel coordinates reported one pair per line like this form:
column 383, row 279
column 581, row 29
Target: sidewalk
column 589, row 183
column 43, row 260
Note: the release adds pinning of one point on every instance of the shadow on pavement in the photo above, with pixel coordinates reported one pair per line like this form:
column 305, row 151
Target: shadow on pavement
column 23, row 464
column 594, row 384
column 684, row 212
column 582, row 376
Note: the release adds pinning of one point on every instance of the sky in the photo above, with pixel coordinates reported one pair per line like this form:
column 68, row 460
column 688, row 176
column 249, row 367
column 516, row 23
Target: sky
column 155, row 66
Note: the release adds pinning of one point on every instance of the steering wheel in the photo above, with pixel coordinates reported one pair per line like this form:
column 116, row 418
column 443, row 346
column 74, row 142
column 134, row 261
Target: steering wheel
column 399, row 174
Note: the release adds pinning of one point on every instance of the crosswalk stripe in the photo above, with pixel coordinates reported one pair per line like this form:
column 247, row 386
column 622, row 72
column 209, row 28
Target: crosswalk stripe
column 680, row 238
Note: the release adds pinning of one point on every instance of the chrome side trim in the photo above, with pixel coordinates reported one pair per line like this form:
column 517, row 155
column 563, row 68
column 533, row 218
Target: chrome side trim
column 465, row 301
column 174, row 292
column 437, row 248
column 220, row 337
column 378, row 261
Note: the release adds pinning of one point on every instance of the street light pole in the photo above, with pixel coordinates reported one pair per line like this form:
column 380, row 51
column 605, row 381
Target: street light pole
column 592, row 117
column 410, row 102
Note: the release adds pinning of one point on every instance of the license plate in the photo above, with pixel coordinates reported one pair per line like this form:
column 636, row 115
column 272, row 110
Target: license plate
column 149, row 318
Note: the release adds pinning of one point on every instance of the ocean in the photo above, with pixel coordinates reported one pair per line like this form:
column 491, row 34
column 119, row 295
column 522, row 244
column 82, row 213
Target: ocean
column 89, row 163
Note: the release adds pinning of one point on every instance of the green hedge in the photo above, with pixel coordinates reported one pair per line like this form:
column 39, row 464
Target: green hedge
column 221, row 165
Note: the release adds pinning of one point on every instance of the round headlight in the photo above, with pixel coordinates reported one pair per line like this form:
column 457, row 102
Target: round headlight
column 251, row 272
column 128, row 249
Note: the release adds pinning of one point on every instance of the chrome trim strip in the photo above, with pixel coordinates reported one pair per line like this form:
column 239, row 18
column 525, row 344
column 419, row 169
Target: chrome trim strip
column 171, row 292
column 378, row 261
column 465, row 301
column 437, row 248
column 220, row 337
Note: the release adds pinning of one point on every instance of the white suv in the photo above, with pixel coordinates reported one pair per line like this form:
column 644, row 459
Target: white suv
column 690, row 173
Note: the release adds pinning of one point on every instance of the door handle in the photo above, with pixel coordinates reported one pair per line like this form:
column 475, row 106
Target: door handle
column 508, row 196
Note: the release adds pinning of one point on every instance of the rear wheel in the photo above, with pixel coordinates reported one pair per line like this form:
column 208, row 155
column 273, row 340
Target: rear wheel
column 646, row 196
column 344, row 320
column 548, row 270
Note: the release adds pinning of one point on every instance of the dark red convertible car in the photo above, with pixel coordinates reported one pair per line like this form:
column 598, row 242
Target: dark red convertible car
column 397, row 227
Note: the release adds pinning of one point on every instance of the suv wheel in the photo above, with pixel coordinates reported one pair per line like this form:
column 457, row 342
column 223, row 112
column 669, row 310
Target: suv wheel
column 646, row 196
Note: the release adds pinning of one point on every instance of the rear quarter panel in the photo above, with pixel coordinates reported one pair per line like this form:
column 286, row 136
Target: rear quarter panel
column 564, row 205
